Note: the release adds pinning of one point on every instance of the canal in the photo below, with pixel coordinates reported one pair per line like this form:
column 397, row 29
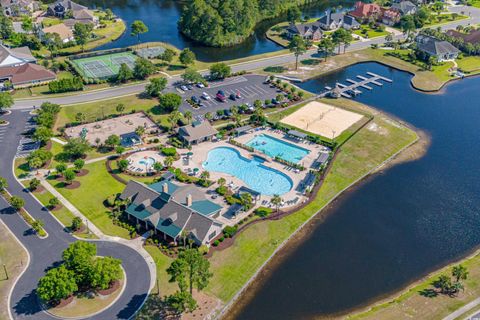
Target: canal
column 161, row 17
column 396, row 226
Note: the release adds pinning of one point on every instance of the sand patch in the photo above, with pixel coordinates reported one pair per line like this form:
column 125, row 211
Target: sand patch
column 322, row 119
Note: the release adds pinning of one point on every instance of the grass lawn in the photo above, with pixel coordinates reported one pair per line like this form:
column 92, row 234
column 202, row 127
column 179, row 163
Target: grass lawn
column 233, row 266
column 49, row 21
column 162, row 262
column 63, row 214
column 13, row 256
column 469, row 64
column 98, row 109
column 370, row 32
column 443, row 19
column 95, row 187
column 85, row 305
column 411, row 304
column 20, row 168
column 128, row 177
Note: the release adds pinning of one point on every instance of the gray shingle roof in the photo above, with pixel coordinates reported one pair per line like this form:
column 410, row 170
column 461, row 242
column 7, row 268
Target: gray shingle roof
column 197, row 130
column 404, row 6
column 434, row 46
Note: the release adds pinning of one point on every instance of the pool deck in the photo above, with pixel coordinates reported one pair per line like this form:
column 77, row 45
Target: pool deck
column 200, row 153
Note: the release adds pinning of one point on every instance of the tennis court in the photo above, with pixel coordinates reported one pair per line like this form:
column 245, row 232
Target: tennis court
column 150, row 53
column 104, row 66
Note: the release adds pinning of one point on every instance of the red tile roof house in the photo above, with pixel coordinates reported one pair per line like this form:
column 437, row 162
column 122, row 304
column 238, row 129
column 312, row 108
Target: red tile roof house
column 18, row 66
column 391, row 17
column 366, row 11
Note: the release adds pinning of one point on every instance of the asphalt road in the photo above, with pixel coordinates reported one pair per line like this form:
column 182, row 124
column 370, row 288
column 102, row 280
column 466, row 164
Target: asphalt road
column 45, row 253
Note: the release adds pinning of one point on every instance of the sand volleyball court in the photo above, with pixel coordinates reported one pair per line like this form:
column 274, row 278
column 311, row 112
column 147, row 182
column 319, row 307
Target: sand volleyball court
column 322, row 119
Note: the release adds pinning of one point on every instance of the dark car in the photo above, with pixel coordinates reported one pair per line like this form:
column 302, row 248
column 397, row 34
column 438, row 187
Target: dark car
column 190, row 87
column 233, row 97
column 195, row 100
column 275, row 102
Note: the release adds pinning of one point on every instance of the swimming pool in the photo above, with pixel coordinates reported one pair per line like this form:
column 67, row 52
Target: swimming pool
column 256, row 176
column 149, row 161
column 274, row 147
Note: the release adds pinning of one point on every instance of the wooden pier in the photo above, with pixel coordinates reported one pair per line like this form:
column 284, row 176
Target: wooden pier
column 347, row 91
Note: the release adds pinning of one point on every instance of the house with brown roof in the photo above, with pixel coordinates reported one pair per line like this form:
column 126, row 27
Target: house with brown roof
column 391, row 17
column 197, row 132
column 308, row 31
column 366, row 11
column 170, row 210
column 85, row 16
column 473, row 37
column 26, row 75
column 65, row 33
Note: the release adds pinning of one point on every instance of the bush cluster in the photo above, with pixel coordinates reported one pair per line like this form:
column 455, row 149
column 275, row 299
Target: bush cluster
column 66, row 85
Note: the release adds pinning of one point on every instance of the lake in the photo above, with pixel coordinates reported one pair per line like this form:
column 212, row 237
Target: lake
column 161, row 17
column 394, row 227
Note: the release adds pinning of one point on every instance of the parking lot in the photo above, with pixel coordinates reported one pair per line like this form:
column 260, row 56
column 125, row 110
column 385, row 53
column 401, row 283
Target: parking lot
column 27, row 145
column 250, row 87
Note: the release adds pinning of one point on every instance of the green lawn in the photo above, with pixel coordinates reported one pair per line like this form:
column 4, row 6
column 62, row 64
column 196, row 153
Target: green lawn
column 95, row 187
column 63, row 214
column 233, row 267
column 162, row 262
column 469, row 64
column 49, row 21
column 442, row 19
column 20, row 168
column 370, row 32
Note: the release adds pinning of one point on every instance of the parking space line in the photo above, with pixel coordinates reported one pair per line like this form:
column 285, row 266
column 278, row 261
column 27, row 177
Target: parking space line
column 255, row 88
column 262, row 89
column 250, row 92
column 245, row 92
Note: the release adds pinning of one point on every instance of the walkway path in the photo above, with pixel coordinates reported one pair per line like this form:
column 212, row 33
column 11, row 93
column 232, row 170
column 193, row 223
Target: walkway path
column 44, row 253
column 469, row 306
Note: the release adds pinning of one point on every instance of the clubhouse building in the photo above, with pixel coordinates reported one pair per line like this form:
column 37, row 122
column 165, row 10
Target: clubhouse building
column 171, row 209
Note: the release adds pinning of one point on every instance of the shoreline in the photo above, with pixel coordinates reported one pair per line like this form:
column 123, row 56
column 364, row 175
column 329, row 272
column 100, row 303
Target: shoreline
column 248, row 290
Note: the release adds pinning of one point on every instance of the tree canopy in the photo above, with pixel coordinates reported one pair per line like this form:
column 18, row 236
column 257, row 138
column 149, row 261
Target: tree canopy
column 6, row 101
column 190, row 270
column 156, row 86
column 138, row 28
column 58, row 283
column 170, row 101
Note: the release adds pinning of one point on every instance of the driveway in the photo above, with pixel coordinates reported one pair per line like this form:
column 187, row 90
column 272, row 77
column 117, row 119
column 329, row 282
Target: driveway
column 45, row 253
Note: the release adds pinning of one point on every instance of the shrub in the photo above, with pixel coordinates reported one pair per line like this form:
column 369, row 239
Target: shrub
column 66, row 85
column 216, row 243
column 111, row 200
column 34, row 183
column 76, row 223
column 263, row 211
column 169, row 152
column 221, row 239
column 229, row 231
column 222, row 190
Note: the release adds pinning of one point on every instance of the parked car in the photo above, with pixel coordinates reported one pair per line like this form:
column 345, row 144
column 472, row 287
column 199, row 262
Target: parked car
column 205, row 96
column 233, row 97
column 190, row 87
column 200, row 85
column 238, row 95
column 202, row 105
column 195, row 100
column 221, row 96
column 184, row 88
column 275, row 102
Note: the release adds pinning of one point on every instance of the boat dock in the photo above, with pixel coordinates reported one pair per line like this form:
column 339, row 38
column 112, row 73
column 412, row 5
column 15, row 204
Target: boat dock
column 351, row 89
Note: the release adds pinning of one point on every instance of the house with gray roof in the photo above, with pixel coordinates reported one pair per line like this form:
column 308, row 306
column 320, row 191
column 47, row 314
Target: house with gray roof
column 61, row 7
column 405, row 7
column 441, row 50
column 309, row 31
column 169, row 209
column 17, row 8
column 10, row 57
column 196, row 132
column 335, row 20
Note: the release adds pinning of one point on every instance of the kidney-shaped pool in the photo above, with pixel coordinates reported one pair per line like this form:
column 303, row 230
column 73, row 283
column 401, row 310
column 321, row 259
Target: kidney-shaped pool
column 256, row 176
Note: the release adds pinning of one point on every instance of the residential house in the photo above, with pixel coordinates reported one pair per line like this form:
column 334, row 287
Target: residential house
column 309, row 31
column 335, row 20
column 405, row 7
column 391, row 17
column 441, row 50
column 62, row 7
column 366, row 11
column 65, row 33
column 25, row 75
column 85, row 16
column 15, row 57
column 350, row 23
column 197, row 132
column 16, row 8
column 171, row 209
column 473, row 37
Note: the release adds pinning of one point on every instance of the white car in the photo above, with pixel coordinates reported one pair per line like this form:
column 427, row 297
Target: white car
column 184, row 88
column 205, row 96
column 200, row 85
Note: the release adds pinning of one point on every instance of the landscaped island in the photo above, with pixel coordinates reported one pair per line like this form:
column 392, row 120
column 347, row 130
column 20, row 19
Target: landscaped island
column 226, row 23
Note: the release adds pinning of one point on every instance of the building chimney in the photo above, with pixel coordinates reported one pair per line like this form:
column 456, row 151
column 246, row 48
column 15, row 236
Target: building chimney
column 189, row 200
column 165, row 187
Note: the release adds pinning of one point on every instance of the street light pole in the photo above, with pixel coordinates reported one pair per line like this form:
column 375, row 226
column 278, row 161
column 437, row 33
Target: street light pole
column 5, row 269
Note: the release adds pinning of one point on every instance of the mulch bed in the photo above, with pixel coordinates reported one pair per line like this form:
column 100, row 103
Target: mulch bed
column 73, row 185
column 81, row 229
column 113, row 287
column 82, row 173
column 40, row 189
column 64, row 302
column 56, row 208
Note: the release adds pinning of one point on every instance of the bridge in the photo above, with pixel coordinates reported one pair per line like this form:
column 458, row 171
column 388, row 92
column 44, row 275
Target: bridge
column 352, row 88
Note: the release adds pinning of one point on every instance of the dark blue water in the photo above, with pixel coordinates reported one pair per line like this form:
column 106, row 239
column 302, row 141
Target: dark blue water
column 396, row 226
column 161, row 17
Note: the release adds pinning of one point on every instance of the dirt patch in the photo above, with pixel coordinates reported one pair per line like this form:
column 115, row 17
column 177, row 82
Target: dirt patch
column 82, row 173
column 40, row 189
column 207, row 307
column 73, row 185
column 56, row 208
column 113, row 287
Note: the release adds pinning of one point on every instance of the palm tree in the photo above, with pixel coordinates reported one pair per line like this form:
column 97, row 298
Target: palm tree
column 276, row 201
column 460, row 272
column 168, row 162
column 208, row 116
column 173, row 118
column 205, row 175
column 188, row 116
column 221, row 182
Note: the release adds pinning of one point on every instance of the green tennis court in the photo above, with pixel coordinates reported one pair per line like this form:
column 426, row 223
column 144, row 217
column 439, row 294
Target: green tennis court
column 104, row 66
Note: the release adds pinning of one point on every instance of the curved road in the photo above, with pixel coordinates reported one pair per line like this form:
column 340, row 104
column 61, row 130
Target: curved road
column 45, row 253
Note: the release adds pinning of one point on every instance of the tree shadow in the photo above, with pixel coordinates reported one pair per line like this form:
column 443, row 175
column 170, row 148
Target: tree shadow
column 310, row 62
column 8, row 210
column 28, row 305
column 132, row 306
column 428, row 293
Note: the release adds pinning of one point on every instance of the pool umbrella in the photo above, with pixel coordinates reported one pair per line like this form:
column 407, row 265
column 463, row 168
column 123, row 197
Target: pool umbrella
column 196, row 169
column 190, row 154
